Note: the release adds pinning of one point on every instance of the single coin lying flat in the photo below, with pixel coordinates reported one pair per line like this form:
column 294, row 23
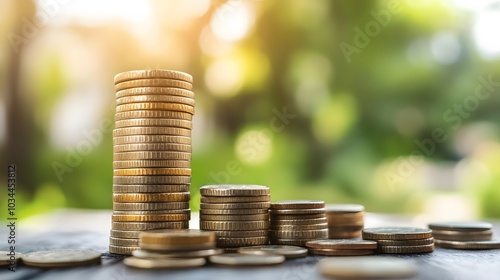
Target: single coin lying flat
column 246, row 260
column 284, row 250
column 469, row 245
column 367, row 267
column 163, row 263
column 62, row 258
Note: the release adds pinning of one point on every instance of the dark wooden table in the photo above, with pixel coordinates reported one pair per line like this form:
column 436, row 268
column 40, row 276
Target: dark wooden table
column 72, row 229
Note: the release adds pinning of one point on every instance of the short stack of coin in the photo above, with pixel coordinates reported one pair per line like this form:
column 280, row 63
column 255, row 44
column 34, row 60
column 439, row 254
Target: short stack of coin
column 345, row 220
column 295, row 222
column 342, row 247
column 173, row 249
column 238, row 214
column 464, row 235
column 401, row 240
column 152, row 154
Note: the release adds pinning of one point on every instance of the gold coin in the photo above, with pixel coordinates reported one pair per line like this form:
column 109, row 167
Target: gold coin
column 297, row 204
column 155, row 106
column 341, row 252
column 127, row 242
column 155, row 98
column 145, row 139
column 246, row 260
column 469, row 245
column 246, row 205
column 151, row 218
column 152, row 212
column 286, row 251
column 233, row 211
column 150, row 206
column 149, row 225
column 344, row 208
column 342, row 244
column 410, row 242
column 372, row 267
column 152, row 171
column 155, row 130
column 299, row 227
column 150, row 189
column 406, row 249
column 154, row 155
column 154, row 123
column 239, row 242
column 254, row 217
column 152, row 114
column 151, row 164
column 234, row 199
column 241, row 233
column 396, row 233
column 61, row 258
column 234, row 190
column 152, row 147
column 275, row 222
column 461, row 226
column 234, row 225
column 332, row 234
column 152, row 73
column 122, row 250
column 152, row 180
column 155, row 91
column 163, row 263
column 125, row 233
column 303, row 234
column 153, row 83
column 151, row 197
column 143, row 254
column 278, row 212
column 177, row 237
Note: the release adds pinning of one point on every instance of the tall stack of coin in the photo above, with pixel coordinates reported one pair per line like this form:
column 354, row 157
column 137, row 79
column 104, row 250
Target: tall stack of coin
column 152, row 154
column 295, row 222
column 464, row 235
column 401, row 240
column 345, row 220
column 238, row 214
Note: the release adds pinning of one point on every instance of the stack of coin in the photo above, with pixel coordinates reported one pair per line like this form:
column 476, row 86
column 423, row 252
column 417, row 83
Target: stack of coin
column 295, row 222
column 238, row 214
column 173, row 249
column 152, row 154
column 401, row 240
column 464, row 235
column 342, row 247
column 345, row 220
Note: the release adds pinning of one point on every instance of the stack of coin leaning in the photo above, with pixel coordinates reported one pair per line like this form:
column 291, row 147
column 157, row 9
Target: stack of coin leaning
column 464, row 235
column 152, row 154
column 401, row 240
column 294, row 222
column 238, row 214
column 345, row 220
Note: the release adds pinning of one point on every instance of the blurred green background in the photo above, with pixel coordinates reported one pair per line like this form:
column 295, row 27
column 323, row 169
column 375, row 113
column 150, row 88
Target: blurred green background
column 392, row 104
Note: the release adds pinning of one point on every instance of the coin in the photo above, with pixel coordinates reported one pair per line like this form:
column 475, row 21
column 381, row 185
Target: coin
column 332, row 234
column 297, row 204
column 287, row 251
column 155, row 91
column 406, row 249
column 292, row 242
column 254, row 217
column 151, row 130
column 153, row 73
column 234, row 199
column 468, row 245
column 163, row 263
column 125, row 233
column 155, row 212
column 234, row 225
column 409, row 242
column 177, row 237
column 299, row 227
column 238, row 242
column 154, row 155
column 154, row 122
column 122, row 250
column 5, row 257
column 367, row 267
column 240, row 233
column 279, row 222
column 344, row 208
column 151, row 197
column 143, row 254
column 297, row 211
column 152, row 180
column 463, row 235
column 249, row 205
column 303, row 234
column 62, row 258
column 338, row 221
column 153, row 83
column 246, row 260
column 461, row 226
column 342, row 244
column 341, row 252
column 152, row 171
column 150, row 206
column 145, row 139
column 233, row 211
column 155, row 98
column 149, row 225
column 151, row 164
column 152, row 147
column 152, row 114
column 234, row 190
column 396, row 233
column 175, row 248
column 278, row 218
column 150, row 189
column 150, row 218
column 127, row 242
column 343, row 228
column 155, row 106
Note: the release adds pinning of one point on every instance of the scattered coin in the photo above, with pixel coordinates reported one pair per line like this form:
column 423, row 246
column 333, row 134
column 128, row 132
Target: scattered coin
column 342, row 244
column 396, row 233
column 62, row 258
column 246, row 260
column 163, row 263
column 367, row 267
column 468, row 245
column 287, row 251
column 153, row 73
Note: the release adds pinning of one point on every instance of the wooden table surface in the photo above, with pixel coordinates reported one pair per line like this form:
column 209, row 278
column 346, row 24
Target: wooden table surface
column 74, row 229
